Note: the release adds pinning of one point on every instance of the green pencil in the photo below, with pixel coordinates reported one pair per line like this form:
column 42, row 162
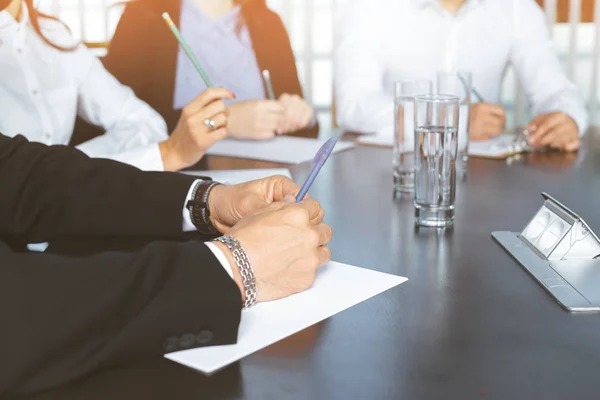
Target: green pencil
column 187, row 49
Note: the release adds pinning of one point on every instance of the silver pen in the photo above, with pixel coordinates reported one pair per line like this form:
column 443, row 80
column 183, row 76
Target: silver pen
column 267, row 77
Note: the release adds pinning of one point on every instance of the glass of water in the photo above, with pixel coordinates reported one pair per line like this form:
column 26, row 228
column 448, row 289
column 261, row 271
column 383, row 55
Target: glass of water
column 436, row 135
column 459, row 84
column 404, row 131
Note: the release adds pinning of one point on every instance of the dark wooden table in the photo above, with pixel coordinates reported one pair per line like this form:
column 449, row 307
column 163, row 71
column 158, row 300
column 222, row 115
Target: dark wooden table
column 469, row 324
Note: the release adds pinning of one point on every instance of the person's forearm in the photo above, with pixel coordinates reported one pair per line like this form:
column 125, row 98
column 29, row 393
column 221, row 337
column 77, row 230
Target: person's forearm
column 133, row 139
column 363, row 103
column 65, row 317
column 539, row 69
column 129, row 123
column 59, row 191
column 366, row 112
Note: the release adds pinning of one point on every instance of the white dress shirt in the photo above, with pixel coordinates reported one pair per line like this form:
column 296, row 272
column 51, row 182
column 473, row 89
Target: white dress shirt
column 383, row 41
column 43, row 89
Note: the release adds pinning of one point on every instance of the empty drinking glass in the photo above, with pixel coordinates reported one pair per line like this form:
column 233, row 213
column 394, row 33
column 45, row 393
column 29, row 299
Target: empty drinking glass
column 404, row 131
column 436, row 126
column 459, row 84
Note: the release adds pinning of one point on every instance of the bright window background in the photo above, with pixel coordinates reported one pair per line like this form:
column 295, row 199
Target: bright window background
column 311, row 24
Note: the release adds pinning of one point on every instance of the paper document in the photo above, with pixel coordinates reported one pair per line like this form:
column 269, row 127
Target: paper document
column 376, row 140
column 236, row 176
column 501, row 146
column 337, row 287
column 282, row 149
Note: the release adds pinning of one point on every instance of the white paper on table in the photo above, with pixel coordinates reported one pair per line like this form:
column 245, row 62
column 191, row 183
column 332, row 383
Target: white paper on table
column 281, row 149
column 337, row 287
column 236, row 176
column 499, row 147
column 376, row 140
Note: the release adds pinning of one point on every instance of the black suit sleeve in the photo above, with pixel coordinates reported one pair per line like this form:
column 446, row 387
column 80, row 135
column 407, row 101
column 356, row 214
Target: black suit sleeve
column 64, row 317
column 59, row 191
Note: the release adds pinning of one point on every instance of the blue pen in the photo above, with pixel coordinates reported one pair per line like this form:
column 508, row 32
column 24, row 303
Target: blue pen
column 317, row 163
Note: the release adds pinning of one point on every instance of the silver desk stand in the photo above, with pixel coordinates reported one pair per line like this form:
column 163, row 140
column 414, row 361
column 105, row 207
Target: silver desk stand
column 575, row 284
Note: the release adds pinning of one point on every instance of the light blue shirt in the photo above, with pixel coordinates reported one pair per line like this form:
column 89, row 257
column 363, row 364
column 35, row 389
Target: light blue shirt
column 225, row 53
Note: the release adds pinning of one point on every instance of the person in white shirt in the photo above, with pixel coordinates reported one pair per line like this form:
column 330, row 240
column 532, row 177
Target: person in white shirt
column 382, row 41
column 47, row 80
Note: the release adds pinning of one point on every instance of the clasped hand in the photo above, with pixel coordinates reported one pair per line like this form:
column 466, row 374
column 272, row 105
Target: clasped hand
column 260, row 119
column 263, row 119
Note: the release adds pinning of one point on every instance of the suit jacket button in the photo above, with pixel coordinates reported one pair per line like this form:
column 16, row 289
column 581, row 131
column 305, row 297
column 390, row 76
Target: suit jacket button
column 186, row 341
column 204, row 337
column 171, row 344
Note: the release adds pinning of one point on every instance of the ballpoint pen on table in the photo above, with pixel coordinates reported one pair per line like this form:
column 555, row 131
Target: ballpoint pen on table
column 267, row 77
column 187, row 49
column 317, row 163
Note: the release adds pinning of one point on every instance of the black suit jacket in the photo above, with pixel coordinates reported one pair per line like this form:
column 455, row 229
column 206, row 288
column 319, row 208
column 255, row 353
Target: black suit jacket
column 143, row 53
column 65, row 316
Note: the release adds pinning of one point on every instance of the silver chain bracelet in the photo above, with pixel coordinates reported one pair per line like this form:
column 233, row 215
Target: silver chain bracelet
column 243, row 263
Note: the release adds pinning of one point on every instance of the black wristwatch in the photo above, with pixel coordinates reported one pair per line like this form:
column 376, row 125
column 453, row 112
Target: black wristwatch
column 198, row 207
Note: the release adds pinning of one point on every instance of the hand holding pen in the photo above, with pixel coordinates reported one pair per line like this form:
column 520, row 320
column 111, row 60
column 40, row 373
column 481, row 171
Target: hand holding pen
column 193, row 136
column 487, row 121
column 203, row 121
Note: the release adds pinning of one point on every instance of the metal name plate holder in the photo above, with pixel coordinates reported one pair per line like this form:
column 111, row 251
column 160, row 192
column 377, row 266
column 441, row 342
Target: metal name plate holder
column 561, row 252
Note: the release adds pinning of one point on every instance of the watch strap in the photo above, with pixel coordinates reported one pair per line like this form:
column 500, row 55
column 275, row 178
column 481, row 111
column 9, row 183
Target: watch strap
column 199, row 209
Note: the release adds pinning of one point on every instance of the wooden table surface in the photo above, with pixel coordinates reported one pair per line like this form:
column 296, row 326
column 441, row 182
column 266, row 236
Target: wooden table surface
column 470, row 323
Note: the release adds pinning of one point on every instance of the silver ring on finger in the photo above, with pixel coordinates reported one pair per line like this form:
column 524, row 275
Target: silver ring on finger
column 210, row 124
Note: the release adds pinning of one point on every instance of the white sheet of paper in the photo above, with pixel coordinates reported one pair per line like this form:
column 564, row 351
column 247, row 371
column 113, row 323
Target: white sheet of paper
column 236, row 176
column 337, row 287
column 282, row 149
column 376, row 140
column 500, row 146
